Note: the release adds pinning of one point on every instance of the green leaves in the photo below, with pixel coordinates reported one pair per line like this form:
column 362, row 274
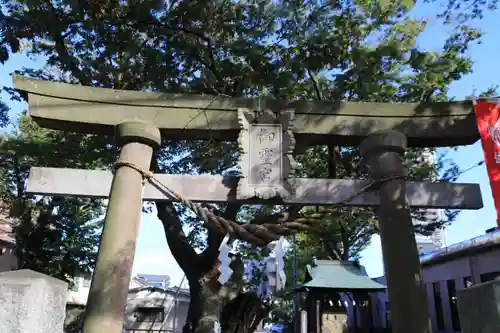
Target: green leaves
column 4, row 114
column 464, row 10
column 361, row 50
column 56, row 236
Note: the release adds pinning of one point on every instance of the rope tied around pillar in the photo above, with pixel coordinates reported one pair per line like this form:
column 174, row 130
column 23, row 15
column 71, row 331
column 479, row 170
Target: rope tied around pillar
column 258, row 234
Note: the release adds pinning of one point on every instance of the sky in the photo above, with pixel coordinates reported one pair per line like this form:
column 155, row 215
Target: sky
column 152, row 253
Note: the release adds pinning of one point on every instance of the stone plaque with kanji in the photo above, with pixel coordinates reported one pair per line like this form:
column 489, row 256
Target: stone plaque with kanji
column 266, row 143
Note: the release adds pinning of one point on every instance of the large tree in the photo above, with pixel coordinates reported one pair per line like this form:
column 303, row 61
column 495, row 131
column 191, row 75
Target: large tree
column 55, row 236
column 361, row 50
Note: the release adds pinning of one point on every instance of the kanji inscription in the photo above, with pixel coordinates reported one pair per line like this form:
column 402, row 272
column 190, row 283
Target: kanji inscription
column 266, row 142
column 265, row 155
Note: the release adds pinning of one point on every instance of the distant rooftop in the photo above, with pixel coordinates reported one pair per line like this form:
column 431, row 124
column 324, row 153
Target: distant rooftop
column 338, row 276
column 174, row 290
column 481, row 243
column 154, row 276
column 161, row 281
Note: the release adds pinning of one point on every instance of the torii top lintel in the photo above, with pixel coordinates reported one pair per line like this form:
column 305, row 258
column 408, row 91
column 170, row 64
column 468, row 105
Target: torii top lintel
column 98, row 110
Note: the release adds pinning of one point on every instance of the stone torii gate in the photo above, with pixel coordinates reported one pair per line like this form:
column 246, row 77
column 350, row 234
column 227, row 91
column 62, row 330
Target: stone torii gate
column 141, row 119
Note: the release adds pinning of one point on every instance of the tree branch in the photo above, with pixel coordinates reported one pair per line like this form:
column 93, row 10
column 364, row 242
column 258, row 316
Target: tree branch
column 332, row 173
column 66, row 59
column 210, row 254
column 315, row 81
column 358, row 231
column 202, row 37
column 331, row 248
column 335, row 156
column 345, row 242
column 195, row 306
column 177, row 241
column 289, row 215
column 332, row 161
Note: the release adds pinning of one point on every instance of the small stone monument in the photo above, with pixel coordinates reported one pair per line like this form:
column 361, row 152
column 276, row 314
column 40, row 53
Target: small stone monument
column 31, row 302
column 479, row 308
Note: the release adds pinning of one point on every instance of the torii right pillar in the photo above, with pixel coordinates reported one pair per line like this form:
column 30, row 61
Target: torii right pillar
column 384, row 152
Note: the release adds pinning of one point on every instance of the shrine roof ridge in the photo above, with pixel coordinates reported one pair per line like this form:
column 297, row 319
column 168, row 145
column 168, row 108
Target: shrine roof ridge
column 66, row 106
column 338, row 276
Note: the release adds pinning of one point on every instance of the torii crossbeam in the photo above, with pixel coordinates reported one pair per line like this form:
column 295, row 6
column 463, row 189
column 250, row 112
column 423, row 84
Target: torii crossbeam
column 97, row 110
column 207, row 188
column 141, row 119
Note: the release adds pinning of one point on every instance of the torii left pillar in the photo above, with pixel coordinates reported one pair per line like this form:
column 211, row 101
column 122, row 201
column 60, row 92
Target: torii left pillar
column 110, row 283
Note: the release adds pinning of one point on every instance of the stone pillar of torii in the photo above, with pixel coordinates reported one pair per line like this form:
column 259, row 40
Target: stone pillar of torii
column 268, row 132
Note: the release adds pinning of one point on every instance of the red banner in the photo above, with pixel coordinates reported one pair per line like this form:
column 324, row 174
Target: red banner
column 488, row 124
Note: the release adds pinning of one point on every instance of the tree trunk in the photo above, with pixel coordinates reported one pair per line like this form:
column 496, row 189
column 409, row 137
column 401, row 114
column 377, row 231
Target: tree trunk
column 210, row 303
column 243, row 314
column 208, row 309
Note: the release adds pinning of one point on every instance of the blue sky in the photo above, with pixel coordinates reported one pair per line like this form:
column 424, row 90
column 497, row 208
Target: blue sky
column 152, row 254
column 486, row 73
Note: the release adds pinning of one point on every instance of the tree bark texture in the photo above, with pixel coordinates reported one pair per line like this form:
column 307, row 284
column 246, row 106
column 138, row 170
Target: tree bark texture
column 236, row 311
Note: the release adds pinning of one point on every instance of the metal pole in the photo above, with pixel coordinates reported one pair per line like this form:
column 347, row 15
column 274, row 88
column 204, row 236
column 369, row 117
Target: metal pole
column 175, row 300
column 111, row 279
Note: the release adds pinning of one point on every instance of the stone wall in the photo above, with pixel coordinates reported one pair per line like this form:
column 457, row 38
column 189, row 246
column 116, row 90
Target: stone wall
column 479, row 308
column 31, row 302
column 334, row 322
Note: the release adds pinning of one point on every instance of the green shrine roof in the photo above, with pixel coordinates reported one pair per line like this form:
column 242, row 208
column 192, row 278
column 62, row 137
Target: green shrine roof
column 339, row 276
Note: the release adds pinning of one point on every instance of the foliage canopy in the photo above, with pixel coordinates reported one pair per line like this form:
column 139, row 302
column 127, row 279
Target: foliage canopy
column 354, row 50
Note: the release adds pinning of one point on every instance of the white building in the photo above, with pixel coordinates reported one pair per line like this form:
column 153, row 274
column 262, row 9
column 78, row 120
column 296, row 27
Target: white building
column 156, row 309
column 437, row 240
column 78, row 293
column 160, row 281
column 148, row 308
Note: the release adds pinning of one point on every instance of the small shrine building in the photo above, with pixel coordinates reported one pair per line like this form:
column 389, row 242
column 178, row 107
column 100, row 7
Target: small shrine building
column 337, row 297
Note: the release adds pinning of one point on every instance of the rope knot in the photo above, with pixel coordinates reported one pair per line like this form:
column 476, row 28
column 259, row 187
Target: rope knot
column 146, row 174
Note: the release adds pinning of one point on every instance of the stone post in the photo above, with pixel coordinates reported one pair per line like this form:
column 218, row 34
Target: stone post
column 110, row 283
column 384, row 152
column 303, row 321
column 479, row 308
column 31, row 302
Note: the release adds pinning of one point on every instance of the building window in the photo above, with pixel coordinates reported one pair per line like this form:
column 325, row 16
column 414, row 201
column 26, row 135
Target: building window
column 438, row 305
column 468, row 282
column 489, row 276
column 452, row 299
column 149, row 314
